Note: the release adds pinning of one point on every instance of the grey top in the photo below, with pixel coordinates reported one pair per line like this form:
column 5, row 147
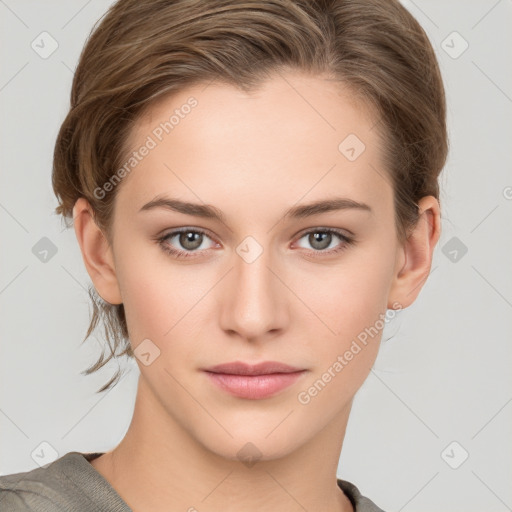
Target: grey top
column 71, row 484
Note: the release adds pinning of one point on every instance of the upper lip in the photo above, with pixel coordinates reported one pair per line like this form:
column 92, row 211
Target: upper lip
column 264, row 368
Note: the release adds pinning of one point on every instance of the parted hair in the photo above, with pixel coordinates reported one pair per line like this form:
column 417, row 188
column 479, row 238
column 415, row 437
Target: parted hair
column 141, row 50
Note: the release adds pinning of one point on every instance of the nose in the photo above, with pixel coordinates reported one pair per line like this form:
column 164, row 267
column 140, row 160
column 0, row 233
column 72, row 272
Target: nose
column 254, row 304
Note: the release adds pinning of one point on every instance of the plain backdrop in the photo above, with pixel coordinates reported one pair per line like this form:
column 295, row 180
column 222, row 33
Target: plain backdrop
column 430, row 428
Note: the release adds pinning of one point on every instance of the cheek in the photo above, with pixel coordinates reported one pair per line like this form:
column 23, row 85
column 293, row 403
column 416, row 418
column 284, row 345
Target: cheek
column 346, row 299
column 161, row 300
column 349, row 310
column 148, row 293
column 337, row 302
column 349, row 304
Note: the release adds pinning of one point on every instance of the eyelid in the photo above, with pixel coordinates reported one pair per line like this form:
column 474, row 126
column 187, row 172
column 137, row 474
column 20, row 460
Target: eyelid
column 185, row 229
column 340, row 232
column 346, row 240
column 300, row 234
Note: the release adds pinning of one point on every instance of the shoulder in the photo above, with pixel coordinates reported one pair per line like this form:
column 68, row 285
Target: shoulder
column 49, row 488
column 359, row 502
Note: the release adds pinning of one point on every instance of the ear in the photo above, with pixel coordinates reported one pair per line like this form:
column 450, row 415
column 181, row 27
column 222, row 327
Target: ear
column 96, row 253
column 415, row 256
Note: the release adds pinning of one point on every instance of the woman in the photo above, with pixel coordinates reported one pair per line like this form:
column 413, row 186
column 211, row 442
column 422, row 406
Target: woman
column 254, row 189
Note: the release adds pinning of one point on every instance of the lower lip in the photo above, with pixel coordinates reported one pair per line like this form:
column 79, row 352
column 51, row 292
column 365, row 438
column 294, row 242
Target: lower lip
column 254, row 387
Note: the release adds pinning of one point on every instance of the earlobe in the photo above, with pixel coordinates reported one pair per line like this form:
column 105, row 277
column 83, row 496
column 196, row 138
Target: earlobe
column 96, row 253
column 415, row 258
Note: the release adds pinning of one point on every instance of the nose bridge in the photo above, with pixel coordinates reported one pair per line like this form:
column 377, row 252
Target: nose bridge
column 254, row 304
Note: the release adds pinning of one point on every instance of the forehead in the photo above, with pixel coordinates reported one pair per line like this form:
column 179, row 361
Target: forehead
column 295, row 134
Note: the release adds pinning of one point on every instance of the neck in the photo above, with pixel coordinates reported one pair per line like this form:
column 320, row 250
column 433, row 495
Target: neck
column 161, row 466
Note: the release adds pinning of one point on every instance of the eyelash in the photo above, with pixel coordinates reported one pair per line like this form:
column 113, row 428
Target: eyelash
column 162, row 241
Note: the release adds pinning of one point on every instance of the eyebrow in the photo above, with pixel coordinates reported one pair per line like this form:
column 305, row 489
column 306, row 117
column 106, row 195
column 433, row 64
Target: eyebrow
column 296, row 212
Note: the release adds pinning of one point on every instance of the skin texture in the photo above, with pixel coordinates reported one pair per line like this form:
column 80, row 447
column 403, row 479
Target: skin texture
column 253, row 157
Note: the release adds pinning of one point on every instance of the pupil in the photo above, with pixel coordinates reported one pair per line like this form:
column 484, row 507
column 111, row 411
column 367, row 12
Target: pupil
column 190, row 240
column 321, row 238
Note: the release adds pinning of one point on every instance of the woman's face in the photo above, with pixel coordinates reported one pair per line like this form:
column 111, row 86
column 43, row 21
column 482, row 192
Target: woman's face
column 266, row 281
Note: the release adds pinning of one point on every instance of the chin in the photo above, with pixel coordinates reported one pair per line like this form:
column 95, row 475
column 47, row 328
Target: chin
column 249, row 446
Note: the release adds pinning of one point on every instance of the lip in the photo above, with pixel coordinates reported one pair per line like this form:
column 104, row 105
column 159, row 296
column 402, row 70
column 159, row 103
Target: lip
column 254, row 382
column 263, row 368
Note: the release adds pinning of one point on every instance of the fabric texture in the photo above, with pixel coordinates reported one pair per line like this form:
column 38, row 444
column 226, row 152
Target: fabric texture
column 71, row 484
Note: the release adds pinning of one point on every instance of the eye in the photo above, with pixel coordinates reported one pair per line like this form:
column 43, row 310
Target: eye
column 324, row 240
column 189, row 241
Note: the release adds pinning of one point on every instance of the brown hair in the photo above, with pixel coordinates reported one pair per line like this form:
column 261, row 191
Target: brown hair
column 144, row 49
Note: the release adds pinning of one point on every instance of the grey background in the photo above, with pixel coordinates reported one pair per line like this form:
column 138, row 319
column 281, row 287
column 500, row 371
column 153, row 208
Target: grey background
column 442, row 377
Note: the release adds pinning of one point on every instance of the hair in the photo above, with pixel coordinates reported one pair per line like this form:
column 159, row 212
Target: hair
column 144, row 50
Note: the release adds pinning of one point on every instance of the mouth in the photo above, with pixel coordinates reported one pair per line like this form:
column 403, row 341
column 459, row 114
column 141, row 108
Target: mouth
column 263, row 368
column 254, row 382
